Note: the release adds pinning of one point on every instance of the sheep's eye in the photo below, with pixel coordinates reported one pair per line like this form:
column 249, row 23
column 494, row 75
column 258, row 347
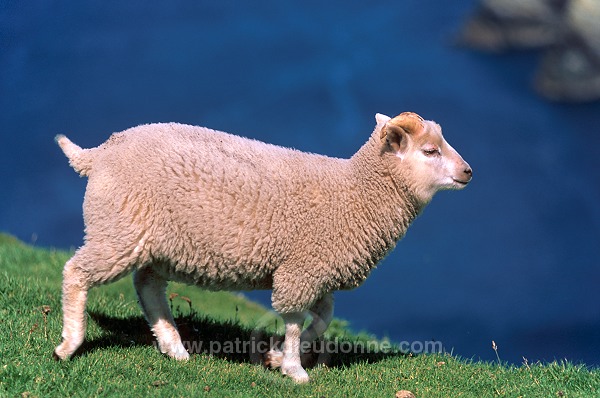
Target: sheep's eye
column 431, row 151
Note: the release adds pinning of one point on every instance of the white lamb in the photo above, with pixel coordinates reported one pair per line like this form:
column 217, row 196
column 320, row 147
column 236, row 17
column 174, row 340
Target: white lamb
column 185, row 203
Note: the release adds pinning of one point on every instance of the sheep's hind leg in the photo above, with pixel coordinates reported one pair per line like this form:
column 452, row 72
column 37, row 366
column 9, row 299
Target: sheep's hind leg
column 291, row 348
column 88, row 267
column 74, row 296
column 151, row 290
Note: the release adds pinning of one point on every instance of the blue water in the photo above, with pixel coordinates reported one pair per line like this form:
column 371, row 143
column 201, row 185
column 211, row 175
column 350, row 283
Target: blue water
column 514, row 258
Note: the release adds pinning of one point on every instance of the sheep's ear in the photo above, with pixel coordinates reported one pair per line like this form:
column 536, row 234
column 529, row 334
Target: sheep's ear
column 395, row 138
column 381, row 119
column 397, row 130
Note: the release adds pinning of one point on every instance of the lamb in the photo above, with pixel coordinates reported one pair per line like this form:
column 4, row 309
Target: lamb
column 177, row 202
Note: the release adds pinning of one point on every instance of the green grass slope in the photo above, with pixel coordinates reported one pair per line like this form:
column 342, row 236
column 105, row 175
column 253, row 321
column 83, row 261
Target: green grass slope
column 118, row 357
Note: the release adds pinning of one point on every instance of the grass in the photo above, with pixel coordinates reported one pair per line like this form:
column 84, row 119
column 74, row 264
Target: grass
column 119, row 358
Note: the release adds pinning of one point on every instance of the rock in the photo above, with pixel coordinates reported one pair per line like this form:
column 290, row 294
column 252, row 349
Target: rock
column 568, row 30
column 570, row 70
column 500, row 25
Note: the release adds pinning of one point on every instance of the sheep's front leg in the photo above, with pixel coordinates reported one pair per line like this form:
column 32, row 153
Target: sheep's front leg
column 291, row 348
column 151, row 290
column 322, row 314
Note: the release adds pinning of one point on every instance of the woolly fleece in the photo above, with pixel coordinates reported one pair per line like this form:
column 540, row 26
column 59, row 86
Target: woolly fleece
column 225, row 212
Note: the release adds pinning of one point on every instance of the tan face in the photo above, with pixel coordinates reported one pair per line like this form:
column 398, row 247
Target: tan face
column 428, row 163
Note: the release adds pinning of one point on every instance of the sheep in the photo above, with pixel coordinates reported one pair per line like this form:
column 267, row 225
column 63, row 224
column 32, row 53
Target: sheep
column 173, row 202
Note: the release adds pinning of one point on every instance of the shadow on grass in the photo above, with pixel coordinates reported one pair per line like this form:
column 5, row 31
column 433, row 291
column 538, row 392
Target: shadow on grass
column 232, row 341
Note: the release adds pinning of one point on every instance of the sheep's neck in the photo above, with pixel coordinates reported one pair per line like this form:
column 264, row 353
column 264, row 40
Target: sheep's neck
column 377, row 214
column 387, row 198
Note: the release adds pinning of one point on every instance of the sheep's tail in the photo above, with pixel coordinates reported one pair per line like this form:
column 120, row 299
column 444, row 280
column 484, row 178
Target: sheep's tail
column 79, row 159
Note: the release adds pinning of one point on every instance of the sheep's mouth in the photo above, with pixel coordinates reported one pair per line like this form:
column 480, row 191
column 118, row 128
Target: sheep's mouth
column 461, row 182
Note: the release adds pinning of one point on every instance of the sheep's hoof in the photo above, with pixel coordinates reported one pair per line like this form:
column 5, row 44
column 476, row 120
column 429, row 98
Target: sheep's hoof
column 56, row 357
column 174, row 350
column 296, row 372
column 61, row 353
column 180, row 355
column 273, row 359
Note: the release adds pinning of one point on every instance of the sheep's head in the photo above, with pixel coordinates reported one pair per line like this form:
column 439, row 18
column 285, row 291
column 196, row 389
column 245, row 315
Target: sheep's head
column 421, row 155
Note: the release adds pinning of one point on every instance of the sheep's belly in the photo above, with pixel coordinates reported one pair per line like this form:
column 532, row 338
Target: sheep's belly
column 213, row 278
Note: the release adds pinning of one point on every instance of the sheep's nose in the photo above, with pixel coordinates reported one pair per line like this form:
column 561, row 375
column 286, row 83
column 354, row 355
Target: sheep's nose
column 468, row 172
